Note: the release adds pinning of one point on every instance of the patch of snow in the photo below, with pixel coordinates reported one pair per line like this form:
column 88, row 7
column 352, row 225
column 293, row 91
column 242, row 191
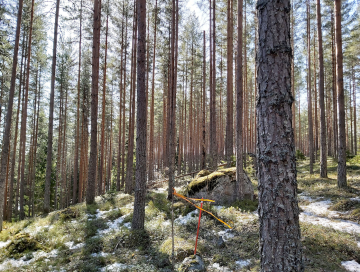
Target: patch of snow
column 242, row 263
column 160, row 190
column 99, row 254
column 220, row 268
column 166, row 223
column 115, row 267
column 351, row 266
column 320, row 208
column 355, row 198
column 183, row 220
column 341, row 225
column 112, row 225
column 71, row 245
column 218, row 207
column 5, row 244
column 127, row 225
column 226, row 234
column 25, row 261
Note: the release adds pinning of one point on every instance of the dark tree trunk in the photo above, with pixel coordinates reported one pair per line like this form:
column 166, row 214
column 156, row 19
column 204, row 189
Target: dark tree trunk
column 91, row 182
column 341, row 100
column 140, row 174
column 6, row 137
column 51, row 116
column 323, row 151
column 309, row 94
column 280, row 246
column 239, row 190
column 229, row 97
column 203, row 147
column 77, row 139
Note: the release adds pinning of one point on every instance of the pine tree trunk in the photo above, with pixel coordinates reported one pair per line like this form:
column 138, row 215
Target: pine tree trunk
column 323, row 151
column 203, row 149
column 229, row 87
column 101, row 187
column 51, row 116
column 309, row 94
column 141, row 127
column 152, row 107
column 354, row 99
column 239, row 190
column 278, row 207
column 91, row 181
column 6, row 136
column 341, row 100
column 24, row 119
column 334, row 93
column 77, row 139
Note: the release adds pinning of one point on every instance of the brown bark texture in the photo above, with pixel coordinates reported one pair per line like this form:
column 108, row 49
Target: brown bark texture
column 280, row 246
column 91, row 182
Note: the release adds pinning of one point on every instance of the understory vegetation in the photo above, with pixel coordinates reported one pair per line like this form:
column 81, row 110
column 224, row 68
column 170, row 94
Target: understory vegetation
column 98, row 237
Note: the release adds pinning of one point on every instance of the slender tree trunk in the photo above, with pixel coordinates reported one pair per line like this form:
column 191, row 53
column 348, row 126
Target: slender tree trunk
column 334, row 93
column 354, row 99
column 152, row 107
column 6, row 136
column 203, row 152
column 140, row 186
column 341, row 100
column 77, row 139
column 323, row 151
column 229, row 97
column 101, row 187
column 24, row 119
column 51, row 116
column 91, row 181
column 309, row 94
column 278, row 207
column 239, row 188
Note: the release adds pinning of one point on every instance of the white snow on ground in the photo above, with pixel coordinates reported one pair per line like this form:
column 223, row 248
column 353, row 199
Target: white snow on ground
column 226, row 234
column 71, row 245
column 112, row 225
column 220, row 268
column 127, row 225
column 99, row 254
column 317, row 213
column 24, row 260
column 5, row 244
column 351, row 266
column 115, row 267
column 183, row 220
column 242, row 263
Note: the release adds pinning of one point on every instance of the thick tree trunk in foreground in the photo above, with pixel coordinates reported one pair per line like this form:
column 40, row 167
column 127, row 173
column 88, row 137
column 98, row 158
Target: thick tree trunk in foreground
column 280, row 246
column 341, row 100
column 51, row 116
column 323, row 151
column 140, row 174
column 91, row 182
column 6, row 137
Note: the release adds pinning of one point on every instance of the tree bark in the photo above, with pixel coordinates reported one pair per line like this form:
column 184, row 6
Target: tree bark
column 229, row 145
column 239, row 190
column 51, row 116
column 280, row 246
column 140, row 174
column 203, row 152
column 309, row 94
column 341, row 100
column 91, row 182
column 6, row 137
column 323, row 151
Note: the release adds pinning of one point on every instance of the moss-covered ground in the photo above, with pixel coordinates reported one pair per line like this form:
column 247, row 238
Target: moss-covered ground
column 99, row 238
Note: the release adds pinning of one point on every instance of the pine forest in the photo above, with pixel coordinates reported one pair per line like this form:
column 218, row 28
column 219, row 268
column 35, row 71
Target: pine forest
column 167, row 135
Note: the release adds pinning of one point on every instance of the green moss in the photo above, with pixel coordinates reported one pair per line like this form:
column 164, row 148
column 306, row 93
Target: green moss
column 92, row 226
column 21, row 243
column 182, row 248
column 135, row 239
column 345, row 205
column 93, row 245
column 203, row 173
column 114, row 214
column 246, row 205
column 68, row 213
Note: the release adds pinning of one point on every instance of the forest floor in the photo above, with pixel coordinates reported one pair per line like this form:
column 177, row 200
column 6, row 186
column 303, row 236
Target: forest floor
column 99, row 238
